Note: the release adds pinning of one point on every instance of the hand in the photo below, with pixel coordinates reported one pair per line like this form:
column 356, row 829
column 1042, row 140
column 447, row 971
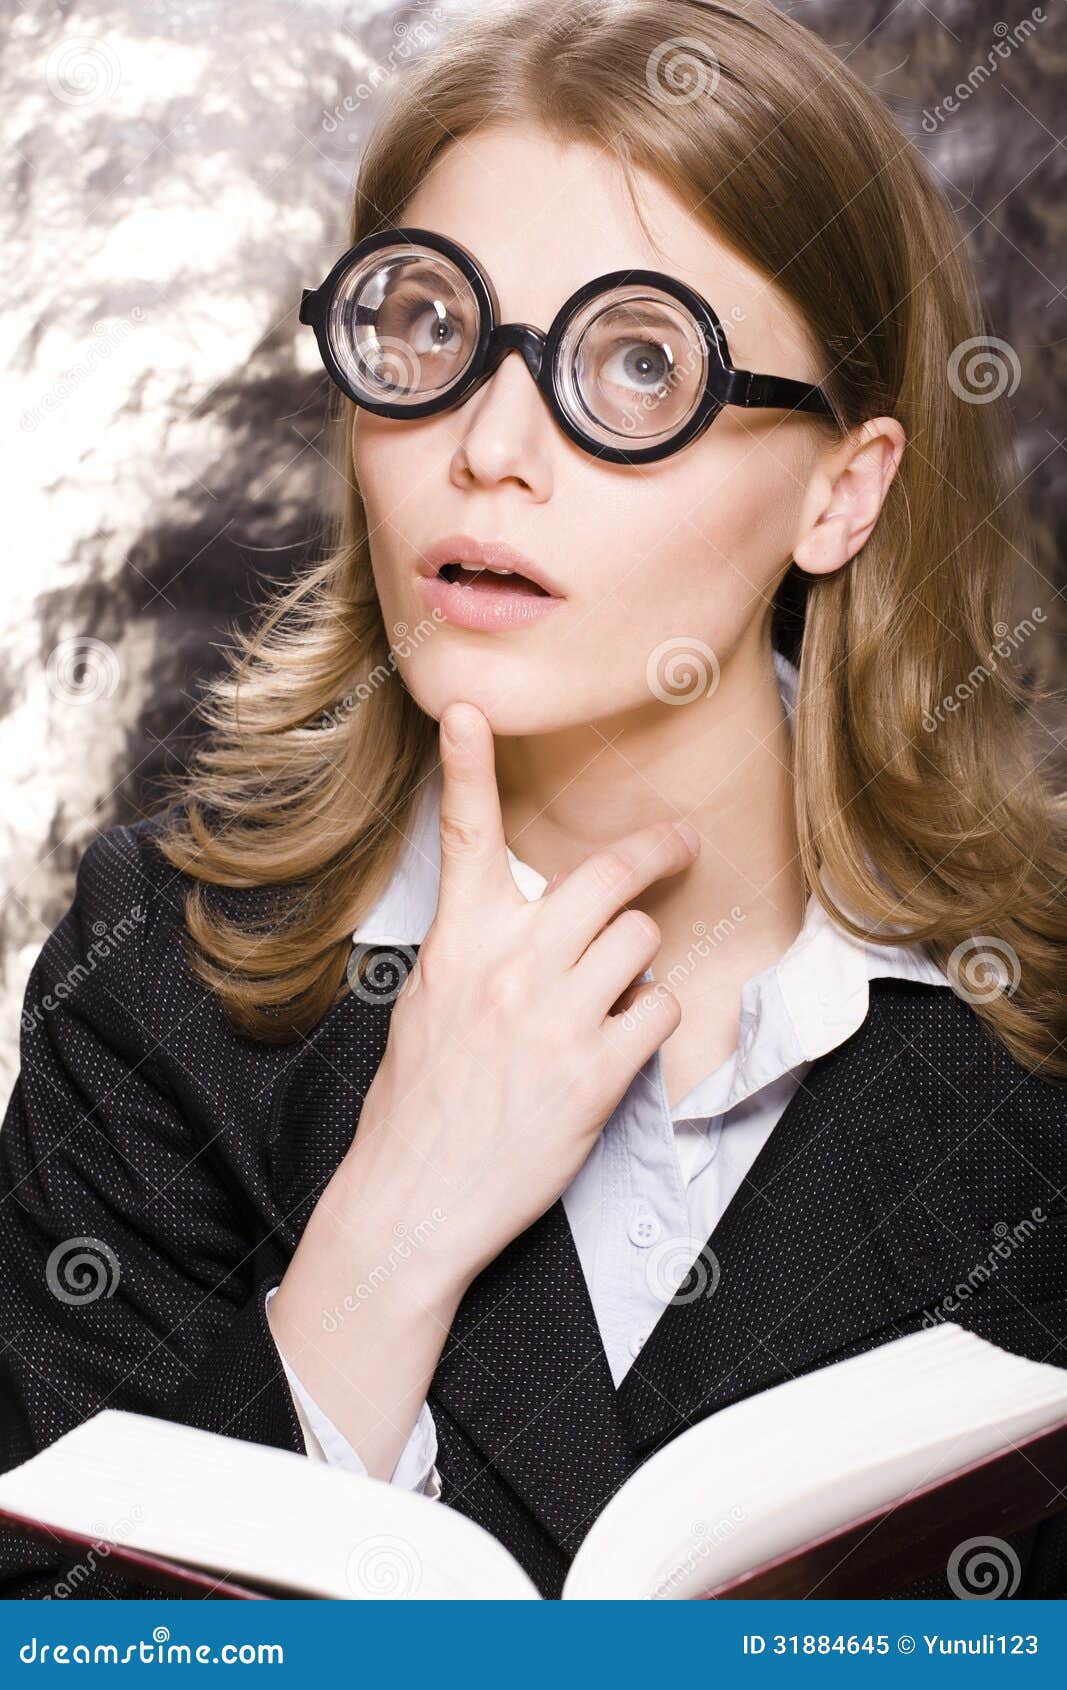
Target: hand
column 518, row 1030
column 513, row 1038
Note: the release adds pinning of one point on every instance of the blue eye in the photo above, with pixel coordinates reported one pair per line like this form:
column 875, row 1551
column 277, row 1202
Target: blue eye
column 642, row 364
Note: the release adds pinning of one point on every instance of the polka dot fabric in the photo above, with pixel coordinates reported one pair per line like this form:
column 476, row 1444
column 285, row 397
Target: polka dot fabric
column 157, row 1170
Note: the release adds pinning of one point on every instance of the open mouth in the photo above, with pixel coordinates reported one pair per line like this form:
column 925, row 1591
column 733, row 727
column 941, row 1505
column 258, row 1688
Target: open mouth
column 485, row 580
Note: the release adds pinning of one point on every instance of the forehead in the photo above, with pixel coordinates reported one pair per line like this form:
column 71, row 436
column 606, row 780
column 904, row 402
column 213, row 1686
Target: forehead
column 543, row 216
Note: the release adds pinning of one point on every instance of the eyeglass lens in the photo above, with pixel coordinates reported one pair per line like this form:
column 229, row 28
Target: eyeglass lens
column 631, row 362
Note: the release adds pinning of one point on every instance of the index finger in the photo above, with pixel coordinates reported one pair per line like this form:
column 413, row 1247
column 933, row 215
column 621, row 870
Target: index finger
column 474, row 858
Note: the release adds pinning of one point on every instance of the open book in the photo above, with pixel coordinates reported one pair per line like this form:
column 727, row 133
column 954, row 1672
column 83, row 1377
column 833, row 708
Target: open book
column 850, row 1480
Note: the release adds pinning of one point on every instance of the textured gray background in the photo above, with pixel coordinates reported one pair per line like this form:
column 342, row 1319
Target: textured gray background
column 172, row 182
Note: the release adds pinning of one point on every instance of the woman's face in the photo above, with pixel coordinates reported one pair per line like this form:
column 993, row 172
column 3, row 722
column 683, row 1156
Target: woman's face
column 651, row 561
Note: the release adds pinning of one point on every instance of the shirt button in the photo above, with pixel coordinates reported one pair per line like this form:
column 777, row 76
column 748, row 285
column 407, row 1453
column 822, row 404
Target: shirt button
column 644, row 1229
column 638, row 1340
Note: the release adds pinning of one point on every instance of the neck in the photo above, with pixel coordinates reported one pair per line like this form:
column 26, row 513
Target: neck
column 722, row 762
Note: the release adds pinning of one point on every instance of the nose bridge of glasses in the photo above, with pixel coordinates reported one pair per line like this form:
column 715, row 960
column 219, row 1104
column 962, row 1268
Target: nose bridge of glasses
column 516, row 337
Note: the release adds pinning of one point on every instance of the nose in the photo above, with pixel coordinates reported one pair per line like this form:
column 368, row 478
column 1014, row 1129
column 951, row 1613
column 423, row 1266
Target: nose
column 502, row 438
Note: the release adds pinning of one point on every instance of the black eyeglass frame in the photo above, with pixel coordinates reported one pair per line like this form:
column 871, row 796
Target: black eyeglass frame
column 724, row 385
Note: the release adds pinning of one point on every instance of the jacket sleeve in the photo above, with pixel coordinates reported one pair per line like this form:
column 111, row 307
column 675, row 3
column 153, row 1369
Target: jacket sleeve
column 128, row 1273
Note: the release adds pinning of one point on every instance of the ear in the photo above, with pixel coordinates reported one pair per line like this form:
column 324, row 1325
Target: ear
column 844, row 495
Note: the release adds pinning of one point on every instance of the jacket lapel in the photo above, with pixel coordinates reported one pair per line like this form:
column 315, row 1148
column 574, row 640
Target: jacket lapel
column 848, row 1228
column 525, row 1373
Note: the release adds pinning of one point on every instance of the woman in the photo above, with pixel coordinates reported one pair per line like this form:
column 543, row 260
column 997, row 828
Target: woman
column 704, row 1020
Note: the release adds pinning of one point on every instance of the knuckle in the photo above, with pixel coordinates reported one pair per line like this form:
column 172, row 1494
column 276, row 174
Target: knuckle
column 643, row 925
column 427, row 971
column 654, row 1014
column 612, row 870
column 459, row 840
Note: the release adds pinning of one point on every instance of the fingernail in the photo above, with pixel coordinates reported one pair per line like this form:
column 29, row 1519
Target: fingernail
column 690, row 835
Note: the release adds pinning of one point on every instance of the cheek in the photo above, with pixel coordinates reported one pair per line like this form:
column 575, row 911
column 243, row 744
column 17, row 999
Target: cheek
column 689, row 556
column 693, row 547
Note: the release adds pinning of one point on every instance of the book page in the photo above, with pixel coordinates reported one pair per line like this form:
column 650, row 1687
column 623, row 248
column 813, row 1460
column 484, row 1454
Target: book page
column 770, row 1473
column 260, row 1515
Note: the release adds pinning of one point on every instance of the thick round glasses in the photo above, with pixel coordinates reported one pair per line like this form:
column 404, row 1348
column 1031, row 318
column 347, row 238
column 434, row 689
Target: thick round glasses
column 634, row 366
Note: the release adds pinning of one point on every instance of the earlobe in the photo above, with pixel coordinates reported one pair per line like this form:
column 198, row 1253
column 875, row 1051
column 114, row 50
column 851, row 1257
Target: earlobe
column 825, row 547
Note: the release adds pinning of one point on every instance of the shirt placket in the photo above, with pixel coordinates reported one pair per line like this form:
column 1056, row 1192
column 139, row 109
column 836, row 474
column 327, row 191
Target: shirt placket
column 646, row 1216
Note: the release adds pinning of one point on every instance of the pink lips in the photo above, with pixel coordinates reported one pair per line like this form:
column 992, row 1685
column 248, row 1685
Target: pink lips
column 485, row 600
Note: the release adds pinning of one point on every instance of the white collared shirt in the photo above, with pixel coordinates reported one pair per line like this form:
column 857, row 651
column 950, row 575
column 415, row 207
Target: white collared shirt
column 645, row 1202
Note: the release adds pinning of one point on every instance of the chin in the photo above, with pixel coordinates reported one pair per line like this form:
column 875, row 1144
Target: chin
column 513, row 702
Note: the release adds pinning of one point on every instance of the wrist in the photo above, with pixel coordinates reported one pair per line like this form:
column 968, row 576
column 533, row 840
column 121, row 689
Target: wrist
column 396, row 1241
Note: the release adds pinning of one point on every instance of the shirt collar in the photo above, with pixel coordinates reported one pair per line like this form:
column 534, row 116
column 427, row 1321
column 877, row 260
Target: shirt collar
column 805, row 1004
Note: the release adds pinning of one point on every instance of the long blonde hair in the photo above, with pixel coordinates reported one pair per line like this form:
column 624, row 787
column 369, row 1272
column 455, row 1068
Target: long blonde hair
column 917, row 789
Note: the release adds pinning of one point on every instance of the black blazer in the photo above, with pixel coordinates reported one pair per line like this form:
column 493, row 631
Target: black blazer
column 195, row 1156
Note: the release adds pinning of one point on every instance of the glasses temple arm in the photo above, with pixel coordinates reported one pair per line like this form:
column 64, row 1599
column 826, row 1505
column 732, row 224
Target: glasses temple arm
column 744, row 387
